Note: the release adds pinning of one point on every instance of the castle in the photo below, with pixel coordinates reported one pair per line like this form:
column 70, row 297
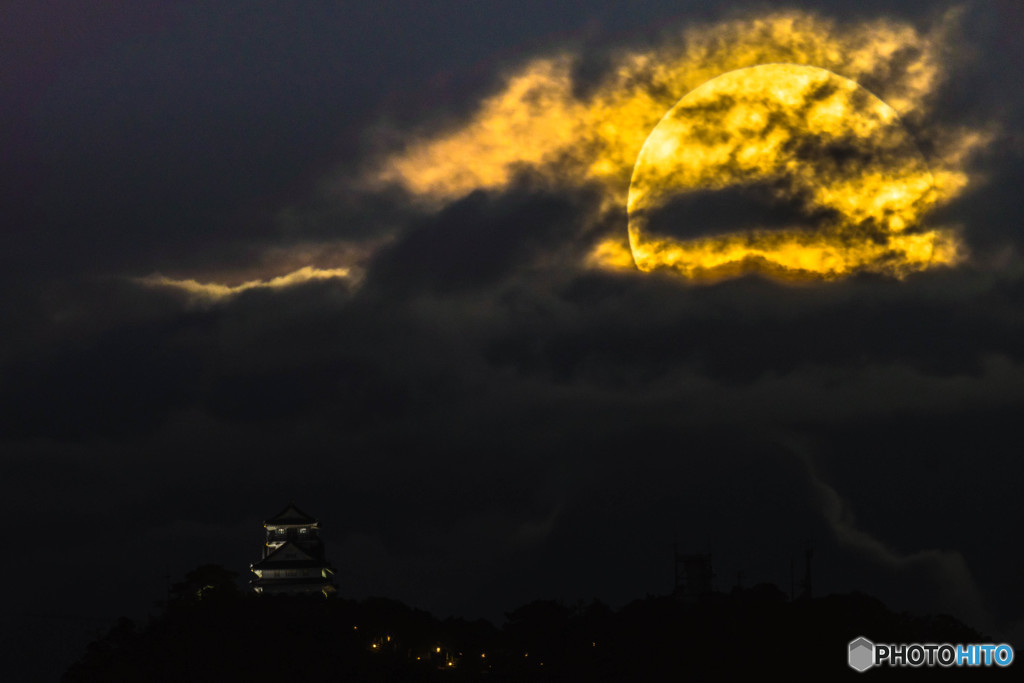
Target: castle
column 293, row 557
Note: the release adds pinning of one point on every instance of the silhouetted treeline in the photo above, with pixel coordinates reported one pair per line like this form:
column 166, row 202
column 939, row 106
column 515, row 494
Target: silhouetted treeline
column 208, row 630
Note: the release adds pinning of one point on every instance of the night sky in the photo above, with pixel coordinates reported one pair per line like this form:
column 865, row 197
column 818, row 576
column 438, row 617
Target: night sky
column 327, row 252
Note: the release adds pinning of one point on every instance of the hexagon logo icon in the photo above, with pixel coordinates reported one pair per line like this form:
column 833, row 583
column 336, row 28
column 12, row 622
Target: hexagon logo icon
column 862, row 654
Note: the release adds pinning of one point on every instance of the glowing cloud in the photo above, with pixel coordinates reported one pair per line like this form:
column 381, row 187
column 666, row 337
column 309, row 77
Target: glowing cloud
column 835, row 154
column 538, row 122
column 212, row 291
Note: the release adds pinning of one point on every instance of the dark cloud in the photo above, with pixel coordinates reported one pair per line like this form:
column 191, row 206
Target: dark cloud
column 739, row 208
column 480, row 240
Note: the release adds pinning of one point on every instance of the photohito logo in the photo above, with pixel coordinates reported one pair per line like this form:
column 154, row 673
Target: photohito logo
column 863, row 654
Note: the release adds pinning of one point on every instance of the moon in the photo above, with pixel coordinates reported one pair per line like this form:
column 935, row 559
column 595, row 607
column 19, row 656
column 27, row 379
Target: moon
column 786, row 170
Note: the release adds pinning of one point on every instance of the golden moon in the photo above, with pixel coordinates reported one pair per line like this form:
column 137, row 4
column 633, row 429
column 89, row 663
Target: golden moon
column 839, row 185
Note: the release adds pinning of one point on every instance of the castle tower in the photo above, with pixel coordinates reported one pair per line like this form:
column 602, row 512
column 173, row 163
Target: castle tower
column 693, row 575
column 293, row 557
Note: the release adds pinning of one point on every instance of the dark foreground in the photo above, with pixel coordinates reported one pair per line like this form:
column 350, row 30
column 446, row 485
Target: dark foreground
column 208, row 631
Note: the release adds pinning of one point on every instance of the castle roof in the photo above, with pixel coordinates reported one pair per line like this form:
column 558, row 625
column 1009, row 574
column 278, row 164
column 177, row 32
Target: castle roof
column 291, row 515
column 289, row 556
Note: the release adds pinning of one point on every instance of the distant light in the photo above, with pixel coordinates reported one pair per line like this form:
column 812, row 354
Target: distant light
column 438, row 649
column 375, row 646
column 389, row 639
column 483, row 654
